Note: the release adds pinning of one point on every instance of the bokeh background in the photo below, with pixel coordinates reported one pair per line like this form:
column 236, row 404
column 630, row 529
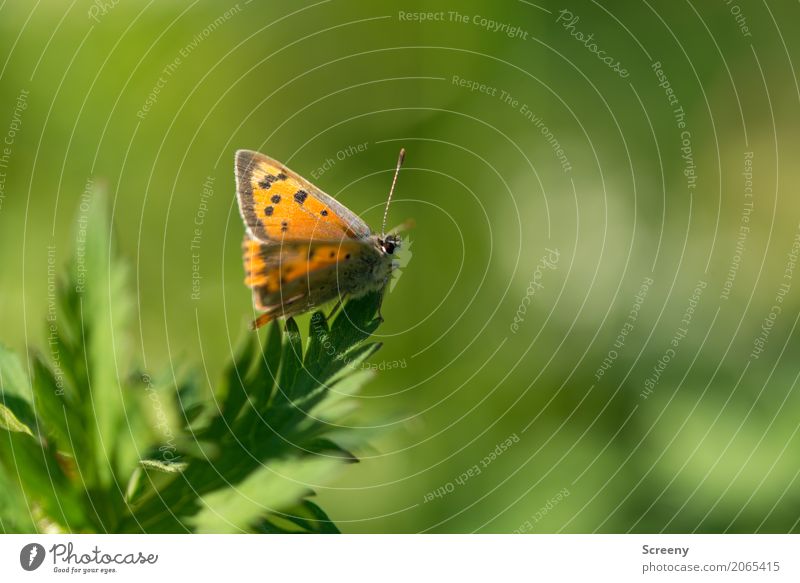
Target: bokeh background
column 596, row 330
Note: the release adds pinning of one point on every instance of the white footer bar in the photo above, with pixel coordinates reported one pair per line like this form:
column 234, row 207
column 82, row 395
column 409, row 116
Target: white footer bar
column 378, row 558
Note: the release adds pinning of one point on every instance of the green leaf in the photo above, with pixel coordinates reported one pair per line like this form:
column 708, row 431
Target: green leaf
column 89, row 444
column 13, row 379
column 35, row 468
column 309, row 517
column 237, row 509
column 15, row 516
column 237, row 388
column 318, row 341
column 9, row 421
column 356, row 322
column 327, row 447
column 15, row 388
column 57, row 417
column 265, row 375
column 291, row 360
column 106, row 312
column 166, row 467
column 324, row 525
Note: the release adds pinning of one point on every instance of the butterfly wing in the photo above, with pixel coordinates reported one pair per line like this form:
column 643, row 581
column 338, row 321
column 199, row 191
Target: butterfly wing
column 279, row 205
column 295, row 276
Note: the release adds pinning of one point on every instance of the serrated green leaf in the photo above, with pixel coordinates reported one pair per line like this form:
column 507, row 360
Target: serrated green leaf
column 245, row 466
column 230, row 510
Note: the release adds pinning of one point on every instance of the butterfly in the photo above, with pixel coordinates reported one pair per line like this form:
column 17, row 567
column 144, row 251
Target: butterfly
column 302, row 248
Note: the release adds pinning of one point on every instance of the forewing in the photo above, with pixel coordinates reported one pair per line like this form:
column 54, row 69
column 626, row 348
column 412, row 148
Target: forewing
column 280, row 205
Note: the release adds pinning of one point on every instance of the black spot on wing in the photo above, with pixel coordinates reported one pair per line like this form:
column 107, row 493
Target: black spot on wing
column 324, row 213
column 267, row 181
column 268, row 211
column 276, row 198
column 300, row 196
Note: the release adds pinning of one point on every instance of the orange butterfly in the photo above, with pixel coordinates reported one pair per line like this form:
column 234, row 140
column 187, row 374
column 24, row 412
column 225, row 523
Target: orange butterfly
column 302, row 247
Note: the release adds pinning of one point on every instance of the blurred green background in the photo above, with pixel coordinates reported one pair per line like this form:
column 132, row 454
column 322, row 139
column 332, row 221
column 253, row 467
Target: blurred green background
column 545, row 186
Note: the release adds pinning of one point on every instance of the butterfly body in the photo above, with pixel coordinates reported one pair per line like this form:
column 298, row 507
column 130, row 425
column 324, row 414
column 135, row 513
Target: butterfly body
column 303, row 248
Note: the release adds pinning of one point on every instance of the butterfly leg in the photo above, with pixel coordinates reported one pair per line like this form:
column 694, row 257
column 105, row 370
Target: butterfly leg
column 380, row 304
column 261, row 321
column 336, row 307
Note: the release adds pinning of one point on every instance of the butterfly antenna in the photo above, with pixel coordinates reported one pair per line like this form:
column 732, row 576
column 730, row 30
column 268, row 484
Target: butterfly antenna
column 391, row 190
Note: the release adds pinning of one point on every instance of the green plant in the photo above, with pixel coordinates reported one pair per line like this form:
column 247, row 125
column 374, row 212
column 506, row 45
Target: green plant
column 90, row 443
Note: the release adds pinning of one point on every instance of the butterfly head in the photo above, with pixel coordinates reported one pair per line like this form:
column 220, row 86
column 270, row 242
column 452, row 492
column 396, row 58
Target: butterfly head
column 395, row 254
column 389, row 244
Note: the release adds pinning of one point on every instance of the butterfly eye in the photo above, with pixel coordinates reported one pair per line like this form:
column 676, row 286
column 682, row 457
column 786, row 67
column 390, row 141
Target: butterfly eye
column 389, row 245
